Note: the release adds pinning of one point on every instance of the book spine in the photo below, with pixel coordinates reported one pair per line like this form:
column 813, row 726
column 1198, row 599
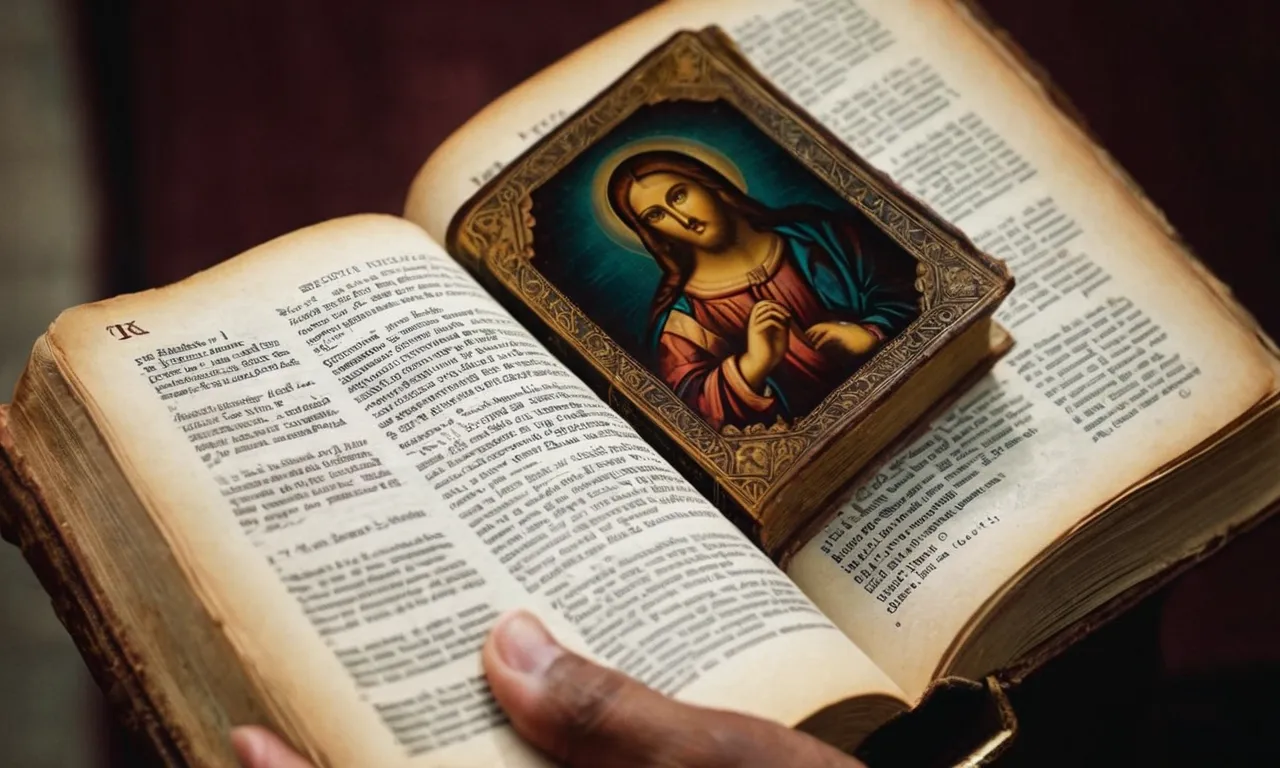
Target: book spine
column 24, row 523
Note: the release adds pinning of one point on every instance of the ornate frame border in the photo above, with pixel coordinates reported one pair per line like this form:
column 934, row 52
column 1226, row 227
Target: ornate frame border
column 958, row 284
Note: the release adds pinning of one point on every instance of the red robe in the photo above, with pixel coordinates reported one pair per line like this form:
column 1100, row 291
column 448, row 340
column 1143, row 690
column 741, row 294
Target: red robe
column 697, row 354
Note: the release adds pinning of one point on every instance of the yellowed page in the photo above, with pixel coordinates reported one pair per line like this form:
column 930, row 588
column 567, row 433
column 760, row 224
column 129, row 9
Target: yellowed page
column 361, row 460
column 1125, row 359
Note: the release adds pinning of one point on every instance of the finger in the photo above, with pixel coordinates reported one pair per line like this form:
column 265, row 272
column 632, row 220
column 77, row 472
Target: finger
column 780, row 308
column 581, row 714
column 773, row 314
column 768, row 305
column 821, row 331
column 760, row 311
column 775, row 324
column 256, row 747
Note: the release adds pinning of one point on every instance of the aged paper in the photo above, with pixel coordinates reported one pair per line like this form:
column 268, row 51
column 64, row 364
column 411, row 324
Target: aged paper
column 363, row 460
column 1125, row 359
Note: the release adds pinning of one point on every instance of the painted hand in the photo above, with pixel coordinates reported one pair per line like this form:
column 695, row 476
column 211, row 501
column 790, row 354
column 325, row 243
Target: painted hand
column 842, row 338
column 768, row 333
column 580, row 715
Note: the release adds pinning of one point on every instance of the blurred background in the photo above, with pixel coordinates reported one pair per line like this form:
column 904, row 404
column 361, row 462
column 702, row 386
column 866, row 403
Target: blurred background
column 141, row 140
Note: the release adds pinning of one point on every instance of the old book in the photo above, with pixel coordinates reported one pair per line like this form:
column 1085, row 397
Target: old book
column 648, row 238
column 296, row 489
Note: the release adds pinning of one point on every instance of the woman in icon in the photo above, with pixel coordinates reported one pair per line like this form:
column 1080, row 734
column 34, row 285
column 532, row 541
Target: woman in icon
column 760, row 313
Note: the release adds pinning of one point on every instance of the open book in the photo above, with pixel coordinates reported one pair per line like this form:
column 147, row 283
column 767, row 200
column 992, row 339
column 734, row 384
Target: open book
column 235, row 534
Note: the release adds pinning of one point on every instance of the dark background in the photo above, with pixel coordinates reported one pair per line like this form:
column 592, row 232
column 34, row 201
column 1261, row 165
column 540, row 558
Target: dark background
column 216, row 125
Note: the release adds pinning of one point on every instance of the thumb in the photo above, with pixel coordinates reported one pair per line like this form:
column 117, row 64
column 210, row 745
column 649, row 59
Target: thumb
column 259, row 748
column 581, row 714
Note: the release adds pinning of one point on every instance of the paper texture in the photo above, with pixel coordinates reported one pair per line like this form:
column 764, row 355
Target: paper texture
column 362, row 460
column 1114, row 374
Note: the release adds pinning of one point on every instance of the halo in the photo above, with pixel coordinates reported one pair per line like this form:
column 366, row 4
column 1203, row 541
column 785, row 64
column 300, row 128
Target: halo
column 616, row 228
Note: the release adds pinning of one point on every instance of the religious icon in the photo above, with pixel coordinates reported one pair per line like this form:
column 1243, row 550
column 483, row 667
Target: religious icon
column 766, row 308
column 761, row 312
column 757, row 310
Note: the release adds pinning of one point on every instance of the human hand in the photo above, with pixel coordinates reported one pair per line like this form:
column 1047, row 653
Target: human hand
column 768, row 333
column 580, row 715
column 842, row 338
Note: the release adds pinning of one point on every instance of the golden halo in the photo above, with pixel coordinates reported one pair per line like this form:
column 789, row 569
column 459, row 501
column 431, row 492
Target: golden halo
column 616, row 228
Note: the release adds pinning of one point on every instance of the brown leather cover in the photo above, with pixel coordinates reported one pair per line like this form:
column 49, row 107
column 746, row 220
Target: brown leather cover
column 25, row 523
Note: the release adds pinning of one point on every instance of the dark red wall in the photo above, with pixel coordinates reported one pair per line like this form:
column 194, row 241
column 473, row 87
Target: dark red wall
column 249, row 118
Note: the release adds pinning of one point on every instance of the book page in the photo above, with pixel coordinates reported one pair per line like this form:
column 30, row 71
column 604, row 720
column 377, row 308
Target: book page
column 1124, row 359
column 362, row 460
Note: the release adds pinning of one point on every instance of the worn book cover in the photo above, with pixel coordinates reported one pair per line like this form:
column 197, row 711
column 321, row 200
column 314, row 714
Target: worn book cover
column 751, row 293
